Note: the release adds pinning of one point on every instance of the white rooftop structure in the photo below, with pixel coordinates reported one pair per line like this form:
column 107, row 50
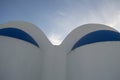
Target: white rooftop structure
column 90, row 52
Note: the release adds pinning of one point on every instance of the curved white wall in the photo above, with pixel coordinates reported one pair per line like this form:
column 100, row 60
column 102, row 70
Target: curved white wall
column 22, row 60
column 19, row 59
column 79, row 32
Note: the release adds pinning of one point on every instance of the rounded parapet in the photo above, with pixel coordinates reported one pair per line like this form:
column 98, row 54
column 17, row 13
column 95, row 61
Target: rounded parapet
column 72, row 40
column 31, row 33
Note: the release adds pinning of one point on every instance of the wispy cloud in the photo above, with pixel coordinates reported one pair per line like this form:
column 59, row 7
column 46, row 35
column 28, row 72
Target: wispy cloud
column 60, row 17
column 55, row 39
column 76, row 13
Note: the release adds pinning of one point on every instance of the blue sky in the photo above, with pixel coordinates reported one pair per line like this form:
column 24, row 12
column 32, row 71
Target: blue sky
column 57, row 18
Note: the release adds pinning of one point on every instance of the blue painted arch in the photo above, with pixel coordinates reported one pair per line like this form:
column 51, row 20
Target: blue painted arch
column 97, row 36
column 18, row 34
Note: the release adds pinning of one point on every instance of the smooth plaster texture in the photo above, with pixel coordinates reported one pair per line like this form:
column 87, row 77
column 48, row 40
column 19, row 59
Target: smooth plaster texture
column 97, row 61
column 21, row 60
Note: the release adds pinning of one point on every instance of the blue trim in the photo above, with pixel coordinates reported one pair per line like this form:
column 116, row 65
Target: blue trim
column 97, row 36
column 19, row 34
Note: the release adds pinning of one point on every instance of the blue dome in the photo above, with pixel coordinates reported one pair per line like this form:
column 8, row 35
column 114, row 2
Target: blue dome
column 97, row 36
column 19, row 34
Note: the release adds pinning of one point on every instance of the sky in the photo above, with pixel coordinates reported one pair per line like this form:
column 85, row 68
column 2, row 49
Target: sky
column 57, row 18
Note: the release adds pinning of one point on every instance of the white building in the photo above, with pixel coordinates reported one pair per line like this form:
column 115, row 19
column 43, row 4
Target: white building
column 90, row 52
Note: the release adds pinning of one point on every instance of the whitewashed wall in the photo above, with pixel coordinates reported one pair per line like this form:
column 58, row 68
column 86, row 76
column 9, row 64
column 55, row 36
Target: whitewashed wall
column 20, row 60
column 98, row 61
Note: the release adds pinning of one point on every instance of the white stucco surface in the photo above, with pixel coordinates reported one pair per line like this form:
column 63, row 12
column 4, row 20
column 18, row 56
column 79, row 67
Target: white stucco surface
column 98, row 61
column 21, row 60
